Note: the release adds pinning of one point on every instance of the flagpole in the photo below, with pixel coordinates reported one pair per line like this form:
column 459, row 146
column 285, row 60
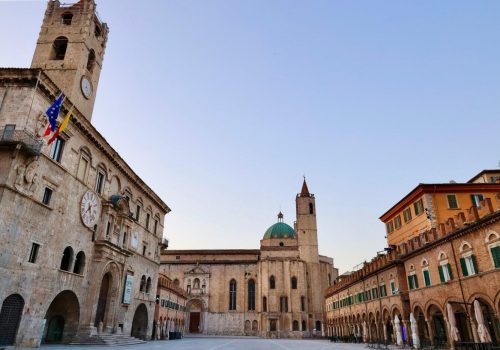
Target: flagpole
column 33, row 98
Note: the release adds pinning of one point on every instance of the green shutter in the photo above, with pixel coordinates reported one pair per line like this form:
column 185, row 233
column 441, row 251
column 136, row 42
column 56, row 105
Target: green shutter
column 474, row 263
column 410, row 282
column 448, row 266
column 495, row 252
column 441, row 274
column 464, row 267
column 393, row 287
column 427, row 278
column 416, row 281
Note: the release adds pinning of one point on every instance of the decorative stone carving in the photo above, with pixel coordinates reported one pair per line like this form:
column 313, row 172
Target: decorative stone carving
column 27, row 178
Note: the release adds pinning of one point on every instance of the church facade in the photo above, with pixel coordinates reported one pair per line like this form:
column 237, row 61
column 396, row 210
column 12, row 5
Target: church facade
column 80, row 232
column 274, row 291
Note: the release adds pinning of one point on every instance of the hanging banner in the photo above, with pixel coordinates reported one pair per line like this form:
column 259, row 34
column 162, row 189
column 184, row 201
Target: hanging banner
column 127, row 289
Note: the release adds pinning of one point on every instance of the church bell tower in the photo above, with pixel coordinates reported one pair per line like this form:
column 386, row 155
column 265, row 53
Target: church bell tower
column 307, row 232
column 70, row 50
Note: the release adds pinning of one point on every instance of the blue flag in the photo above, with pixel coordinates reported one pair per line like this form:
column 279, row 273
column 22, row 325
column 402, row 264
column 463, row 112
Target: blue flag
column 53, row 112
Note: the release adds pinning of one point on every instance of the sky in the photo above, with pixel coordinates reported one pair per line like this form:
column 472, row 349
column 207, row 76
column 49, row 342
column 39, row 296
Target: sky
column 222, row 106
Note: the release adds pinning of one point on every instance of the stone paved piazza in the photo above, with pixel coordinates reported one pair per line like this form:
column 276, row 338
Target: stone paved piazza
column 224, row 343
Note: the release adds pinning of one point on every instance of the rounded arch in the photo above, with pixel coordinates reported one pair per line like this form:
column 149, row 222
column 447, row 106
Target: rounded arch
column 395, row 311
column 59, row 47
column 491, row 236
column 251, row 294
column 295, row 325
column 10, row 317
column 142, row 285
column 294, row 282
column 424, row 262
column 79, row 267
column 91, row 60
column 442, row 255
column 272, row 282
column 417, row 307
column 67, row 259
column 464, row 246
column 140, row 322
column 148, row 285
column 63, row 318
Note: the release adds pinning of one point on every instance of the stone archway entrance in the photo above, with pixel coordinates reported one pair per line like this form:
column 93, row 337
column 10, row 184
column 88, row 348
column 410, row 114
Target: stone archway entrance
column 63, row 317
column 10, row 317
column 140, row 322
column 103, row 299
column 195, row 308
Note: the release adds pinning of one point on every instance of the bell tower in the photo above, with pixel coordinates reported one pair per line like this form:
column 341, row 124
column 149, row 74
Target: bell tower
column 70, row 50
column 307, row 232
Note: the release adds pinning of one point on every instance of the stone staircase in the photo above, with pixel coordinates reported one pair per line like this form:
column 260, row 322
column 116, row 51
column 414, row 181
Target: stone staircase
column 105, row 339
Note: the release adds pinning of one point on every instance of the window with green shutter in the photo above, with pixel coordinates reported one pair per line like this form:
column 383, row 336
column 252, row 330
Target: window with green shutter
column 441, row 274
column 448, row 268
column 495, row 253
column 410, row 282
column 463, row 265
column 393, row 287
column 415, row 281
column 427, row 278
column 452, row 201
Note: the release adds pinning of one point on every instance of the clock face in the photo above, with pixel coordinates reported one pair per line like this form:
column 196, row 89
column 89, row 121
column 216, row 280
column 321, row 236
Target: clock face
column 89, row 209
column 86, row 87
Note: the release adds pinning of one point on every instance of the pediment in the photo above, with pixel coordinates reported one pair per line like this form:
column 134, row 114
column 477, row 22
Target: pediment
column 196, row 271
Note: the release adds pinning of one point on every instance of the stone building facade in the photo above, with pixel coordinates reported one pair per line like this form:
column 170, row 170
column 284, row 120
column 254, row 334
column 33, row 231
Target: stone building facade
column 274, row 291
column 79, row 230
column 439, row 288
column 170, row 311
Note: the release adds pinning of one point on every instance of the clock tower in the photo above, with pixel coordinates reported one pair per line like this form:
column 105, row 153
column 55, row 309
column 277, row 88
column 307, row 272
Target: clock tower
column 70, row 50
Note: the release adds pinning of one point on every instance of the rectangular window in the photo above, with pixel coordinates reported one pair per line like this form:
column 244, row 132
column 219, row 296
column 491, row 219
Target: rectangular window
column 284, row 304
column 407, row 214
column 469, row 265
column 383, row 291
column 374, row 293
column 476, row 199
column 34, row 253
column 47, row 196
column 82, row 168
column 452, row 201
column 393, row 287
column 156, row 226
column 147, row 221
column 397, row 222
column 412, row 281
column 137, row 212
column 427, row 278
column 418, row 207
column 389, row 227
column 99, row 183
column 144, row 250
column 302, row 303
column 8, row 132
column 444, row 272
column 56, row 149
column 495, row 253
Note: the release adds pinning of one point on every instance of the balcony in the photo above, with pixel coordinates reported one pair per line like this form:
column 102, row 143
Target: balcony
column 27, row 141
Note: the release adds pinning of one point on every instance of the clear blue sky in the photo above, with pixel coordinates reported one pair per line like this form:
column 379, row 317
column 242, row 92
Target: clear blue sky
column 224, row 105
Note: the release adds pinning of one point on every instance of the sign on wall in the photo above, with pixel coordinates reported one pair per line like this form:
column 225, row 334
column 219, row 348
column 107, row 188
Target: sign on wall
column 127, row 289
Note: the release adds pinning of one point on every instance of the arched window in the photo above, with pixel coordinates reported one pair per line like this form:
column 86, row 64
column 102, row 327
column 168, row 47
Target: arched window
column 251, row 295
column 79, row 263
column 232, row 295
column 67, row 259
column 142, row 286
column 148, row 285
column 176, row 282
column 295, row 325
column 294, row 282
column 59, row 48
column 91, row 60
column 66, row 18
column 304, row 326
column 264, row 304
column 318, row 326
column 272, row 282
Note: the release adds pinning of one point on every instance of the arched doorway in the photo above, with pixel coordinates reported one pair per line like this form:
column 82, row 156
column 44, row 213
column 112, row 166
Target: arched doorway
column 195, row 308
column 140, row 322
column 63, row 317
column 103, row 299
column 439, row 325
column 10, row 317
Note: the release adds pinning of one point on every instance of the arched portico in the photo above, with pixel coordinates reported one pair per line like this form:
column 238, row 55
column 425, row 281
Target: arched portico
column 63, row 318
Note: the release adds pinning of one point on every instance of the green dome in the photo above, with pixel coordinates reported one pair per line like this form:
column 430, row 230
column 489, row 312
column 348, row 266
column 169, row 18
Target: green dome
column 280, row 230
